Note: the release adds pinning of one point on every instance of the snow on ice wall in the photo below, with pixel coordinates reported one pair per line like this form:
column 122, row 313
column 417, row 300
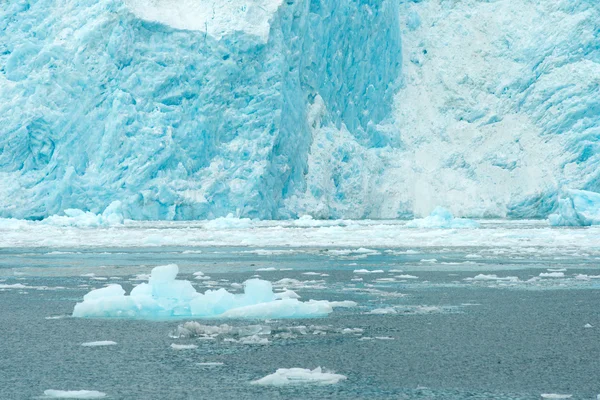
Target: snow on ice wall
column 183, row 109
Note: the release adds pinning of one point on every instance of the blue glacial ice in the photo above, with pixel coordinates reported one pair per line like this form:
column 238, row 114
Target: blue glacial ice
column 181, row 110
column 275, row 109
column 165, row 297
column 577, row 208
column 442, row 218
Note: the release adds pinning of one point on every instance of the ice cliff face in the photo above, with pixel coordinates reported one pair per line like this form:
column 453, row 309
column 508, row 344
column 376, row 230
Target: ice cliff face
column 498, row 113
column 184, row 109
column 272, row 109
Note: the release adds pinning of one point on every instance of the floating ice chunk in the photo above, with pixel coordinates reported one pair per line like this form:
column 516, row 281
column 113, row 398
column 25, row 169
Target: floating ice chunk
column 588, row 326
column 556, row 270
column 366, row 271
column 382, row 311
column 353, row 331
column 13, row 286
column 311, row 273
column 175, row 346
column 493, row 277
column 254, row 339
column 73, row 394
column 556, row 396
column 299, row 376
column 442, row 218
column 166, row 297
column 384, row 338
column 552, row 275
column 577, row 208
column 428, row 260
column 584, row 277
column 99, row 343
column 266, row 269
column 407, row 277
column 210, row 364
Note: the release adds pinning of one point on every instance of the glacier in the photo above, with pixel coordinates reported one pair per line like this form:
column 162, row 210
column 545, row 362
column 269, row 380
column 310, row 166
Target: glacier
column 272, row 109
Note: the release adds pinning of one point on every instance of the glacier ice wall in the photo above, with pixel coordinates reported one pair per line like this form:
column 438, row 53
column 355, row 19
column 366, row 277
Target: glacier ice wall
column 182, row 110
column 273, row 109
column 498, row 112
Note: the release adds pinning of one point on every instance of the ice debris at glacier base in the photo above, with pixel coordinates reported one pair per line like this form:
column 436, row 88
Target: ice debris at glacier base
column 442, row 218
column 112, row 215
column 300, row 376
column 166, row 297
column 577, row 208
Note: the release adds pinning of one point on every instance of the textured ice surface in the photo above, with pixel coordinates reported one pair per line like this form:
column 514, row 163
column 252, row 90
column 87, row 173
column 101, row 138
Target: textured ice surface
column 299, row 376
column 73, row 394
column 183, row 109
column 166, row 297
column 577, row 208
column 442, row 218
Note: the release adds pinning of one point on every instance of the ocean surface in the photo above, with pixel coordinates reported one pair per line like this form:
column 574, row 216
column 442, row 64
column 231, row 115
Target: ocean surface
column 430, row 323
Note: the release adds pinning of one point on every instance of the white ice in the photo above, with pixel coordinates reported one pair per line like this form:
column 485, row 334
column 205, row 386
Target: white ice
column 300, row 376
column 73, row 394
column 99, row 343
column 577, row 208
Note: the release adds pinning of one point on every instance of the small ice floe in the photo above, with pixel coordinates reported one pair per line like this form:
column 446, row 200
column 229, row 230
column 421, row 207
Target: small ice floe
column 588, row 326
column 552, row 275
column 175, row 346
column 396, row 270
column 473, row 256
column 384, row 338
column 407, row 277
column 99, row 343
column 428, row 260
column 56, row 317
column 493, row 277
column 556, row 396
column 266, row 269
column 584, row 277
column 191, row 252
column 73, row 394
column 385, row 280
column 287, row 294
column 352, row 331
column 556, row 269
column 366, row 271
column 90, row 275
column 13, row 286
column 210, row 364
column 382, row 311
column 299, row 376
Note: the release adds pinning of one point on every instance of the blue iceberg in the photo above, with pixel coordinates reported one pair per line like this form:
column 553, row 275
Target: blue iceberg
column 577, row 208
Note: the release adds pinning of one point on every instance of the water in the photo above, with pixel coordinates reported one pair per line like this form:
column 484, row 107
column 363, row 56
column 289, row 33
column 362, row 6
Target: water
column 451, row 338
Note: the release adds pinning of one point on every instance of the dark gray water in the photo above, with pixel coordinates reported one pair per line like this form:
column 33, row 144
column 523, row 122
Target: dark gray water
column 475, row 341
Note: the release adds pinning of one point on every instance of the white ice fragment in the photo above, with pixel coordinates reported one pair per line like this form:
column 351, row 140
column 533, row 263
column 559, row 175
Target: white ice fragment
column 366, row 271
column 384, row 338
column 299, row 376
column 492, row 277
column 175, row 346
column 266, row 269
column 311, row 273
column 99, row 343
column 73, row 394
column 407, row 277
column 588, row 326
column 387, row 310
column 556, row 396
column 210, row 364
column 556, row 270
column 428, row 260
column 287, row 294
column 552, row 275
